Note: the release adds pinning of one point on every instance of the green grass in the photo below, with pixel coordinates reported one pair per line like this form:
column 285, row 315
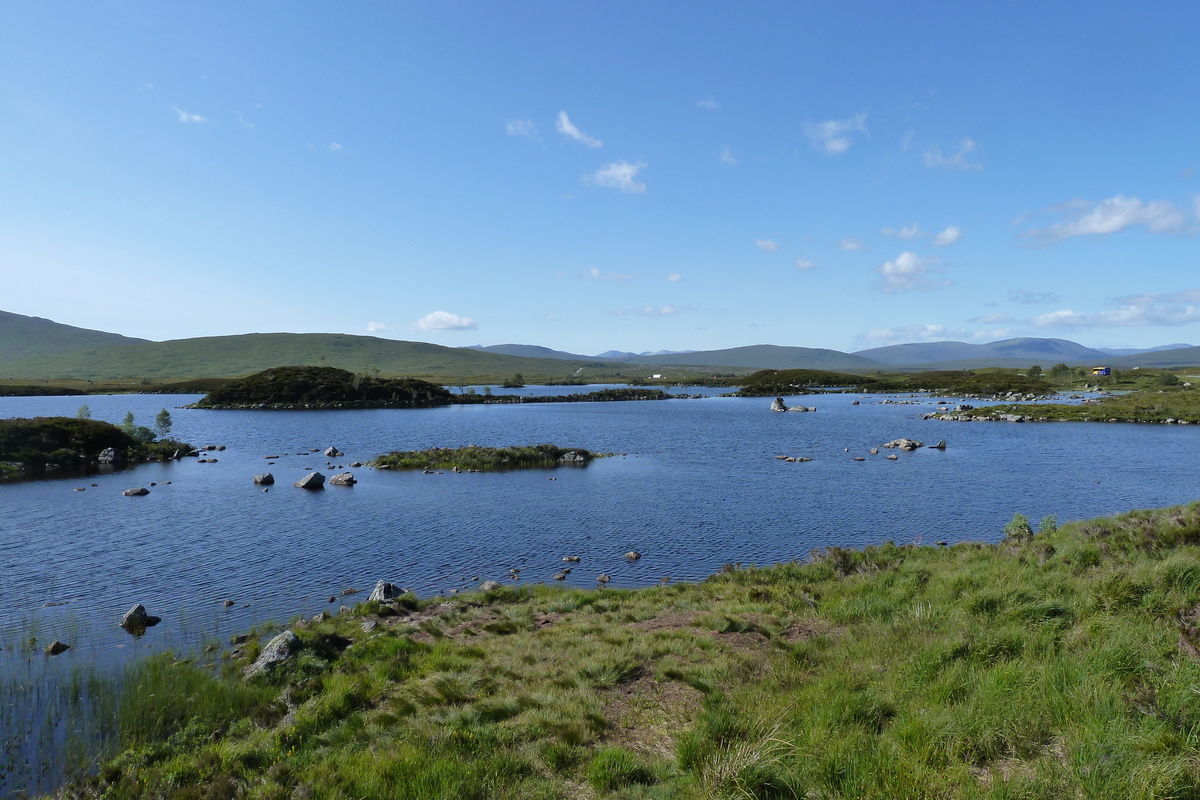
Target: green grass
column 485, row 459
column 1151, row 405
column 1058, row 663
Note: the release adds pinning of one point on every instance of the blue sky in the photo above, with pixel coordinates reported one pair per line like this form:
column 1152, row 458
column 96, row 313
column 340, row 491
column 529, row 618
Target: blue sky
column 604, row 175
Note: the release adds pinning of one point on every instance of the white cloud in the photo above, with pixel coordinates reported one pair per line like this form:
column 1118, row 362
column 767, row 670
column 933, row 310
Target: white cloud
column 881, row 337
column 767, row 245
column 832, row 136
column 908, row 272
column 1028, row 298
column 727, row 158
column 803, row 263
column 618, row 175
column 187, row 116
column 564, row 126
column 707, row 103
column 852, row 245
column 1110, row 216
column 594, row 273
column 334, row 147
column 444, row 321
column 907, row 232
column 242, row 121
column 674, row 277
column 376, row 327
column 522, row 127
column 948, row 236
column 934, row 157
column 1136, row 311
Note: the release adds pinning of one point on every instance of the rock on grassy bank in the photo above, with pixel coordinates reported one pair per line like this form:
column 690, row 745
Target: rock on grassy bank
column 1061, row 663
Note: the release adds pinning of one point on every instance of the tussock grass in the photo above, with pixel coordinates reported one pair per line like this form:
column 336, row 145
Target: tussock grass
column 1059, row 663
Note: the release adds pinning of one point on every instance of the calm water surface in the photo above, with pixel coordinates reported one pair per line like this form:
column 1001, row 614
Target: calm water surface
column 696, row 486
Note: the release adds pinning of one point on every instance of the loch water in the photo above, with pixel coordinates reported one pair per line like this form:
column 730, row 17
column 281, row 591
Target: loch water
column 695, row 485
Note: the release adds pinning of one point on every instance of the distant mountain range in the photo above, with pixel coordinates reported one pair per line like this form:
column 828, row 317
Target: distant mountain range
column 35, row 348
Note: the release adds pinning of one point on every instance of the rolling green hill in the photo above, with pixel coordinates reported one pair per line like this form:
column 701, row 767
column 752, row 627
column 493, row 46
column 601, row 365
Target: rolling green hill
column 765, row 356
column 229, row 356
column 29, row 337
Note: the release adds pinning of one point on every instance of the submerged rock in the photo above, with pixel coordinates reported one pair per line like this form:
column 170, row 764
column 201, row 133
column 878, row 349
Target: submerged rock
column 140, row 491
column 136, row 620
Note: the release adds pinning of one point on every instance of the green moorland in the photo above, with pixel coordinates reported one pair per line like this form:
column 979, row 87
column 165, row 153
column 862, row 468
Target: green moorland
column 487, row 459
column 768, row 383
column 323, row 387
column 30, row 445
column 1055, row 664
column 1181, row 404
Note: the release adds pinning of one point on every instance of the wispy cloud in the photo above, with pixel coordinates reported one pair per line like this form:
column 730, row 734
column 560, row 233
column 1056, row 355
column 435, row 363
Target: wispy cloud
column 1028, row 298
column 334, row 147
column 852, row 245
column 187, row 116
column 444, row 321
column 833, row 136
column 935, row 159
column 908, row 272
column 881, row 337
column 596, row 274
column 803, row 263
column 674, row 277
column 948, row 236
column 707, row 103
column 525, row 128
column 618, row 175
column 727, row 158
column 1114, row 215
column 907, row 232
column 242, row 121
column 650, row 311
column 1135, row 311
column 767, row 245
column 376, row 327
column 564, row 126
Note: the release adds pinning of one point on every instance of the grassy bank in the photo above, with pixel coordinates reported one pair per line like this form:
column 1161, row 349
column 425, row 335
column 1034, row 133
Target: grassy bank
column 486, row 459
column 1061, row 663
column 1159, row 405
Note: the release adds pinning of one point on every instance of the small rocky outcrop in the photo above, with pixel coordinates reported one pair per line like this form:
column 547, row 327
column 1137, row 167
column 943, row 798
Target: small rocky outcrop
column 140, row 491
column 56, row 647
column 904, row 444
column 266, row 479
column 109, row 455
column 571, row 458
column 803, row 408
column 941, row 445
column 333, row 452
column 313, row 480
column 491, row 586
column 343, row 479
column 633, row 555
column 278, row 650
column 778, row 405
column 136, row 620
column 383, row 592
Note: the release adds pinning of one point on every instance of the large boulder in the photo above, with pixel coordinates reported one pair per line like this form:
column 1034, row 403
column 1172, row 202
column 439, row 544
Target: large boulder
column 384, row 592
column 109, row 455
column 140, row 491
column 491, row 586
column 278, row 650
column 778, row 405
column 136, row 620
column 266, row 479
column 904, row 444
column 313, row 480
column 333, row 452
column 343, row 479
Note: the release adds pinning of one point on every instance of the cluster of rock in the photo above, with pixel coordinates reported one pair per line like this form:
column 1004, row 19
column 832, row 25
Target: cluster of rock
column 779, row 405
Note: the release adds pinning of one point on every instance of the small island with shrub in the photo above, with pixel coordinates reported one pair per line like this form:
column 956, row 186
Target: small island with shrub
column 473, row 458
column 34, row 447
column 292, row 388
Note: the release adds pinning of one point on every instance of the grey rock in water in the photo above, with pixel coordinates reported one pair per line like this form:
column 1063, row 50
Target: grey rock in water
column 278, row 650
column 136, row 620
column 778, row 405
column 266, row 479
column 313, row 480
column 343, row 479
column 905, row 444
column 140, row 491
column 333, row 452
column 633, row 555
column 56, row 647
column 491, row 586
column 109, row 455
column 570, row 458
column 941, row 445
column 384, row 592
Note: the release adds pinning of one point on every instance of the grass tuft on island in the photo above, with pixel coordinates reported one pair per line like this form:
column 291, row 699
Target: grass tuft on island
column 1057, row 663
column 487, row 459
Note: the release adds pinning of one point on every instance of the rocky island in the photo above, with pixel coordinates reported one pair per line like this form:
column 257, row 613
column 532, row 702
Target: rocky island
column 35, row 446
column 487, row 459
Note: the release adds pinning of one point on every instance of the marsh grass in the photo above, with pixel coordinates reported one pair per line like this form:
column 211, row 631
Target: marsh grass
column 1060, row 663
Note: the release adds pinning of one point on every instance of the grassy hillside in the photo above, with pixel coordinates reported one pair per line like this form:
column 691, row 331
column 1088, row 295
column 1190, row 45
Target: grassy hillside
column 230, row 356
column 1056, row 664
column 29, row 337
column 1005, row 353
column 766, row 356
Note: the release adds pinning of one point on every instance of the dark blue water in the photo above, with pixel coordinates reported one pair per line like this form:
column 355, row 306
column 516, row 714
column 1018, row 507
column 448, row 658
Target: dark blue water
column 696, row 486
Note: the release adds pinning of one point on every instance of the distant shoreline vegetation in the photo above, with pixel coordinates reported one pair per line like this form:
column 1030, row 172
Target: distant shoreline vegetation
column 39, row 445
column 473, row 458
column 1165, row 406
